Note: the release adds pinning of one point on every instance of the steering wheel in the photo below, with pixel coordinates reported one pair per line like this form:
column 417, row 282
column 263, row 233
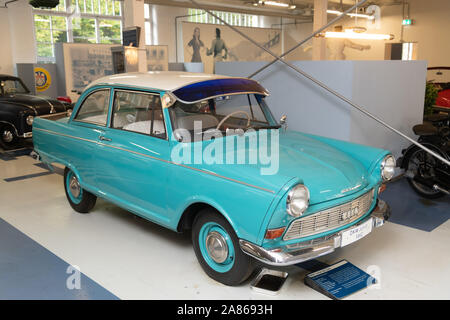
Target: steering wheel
column 231, row 114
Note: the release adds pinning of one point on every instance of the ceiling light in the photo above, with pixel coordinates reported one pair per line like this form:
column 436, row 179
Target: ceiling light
column 355, row 35
column 358, row 15
column 277, row 4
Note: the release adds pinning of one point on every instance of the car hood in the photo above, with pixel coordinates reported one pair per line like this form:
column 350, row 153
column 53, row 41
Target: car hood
column 327, row 172
column 39, row 105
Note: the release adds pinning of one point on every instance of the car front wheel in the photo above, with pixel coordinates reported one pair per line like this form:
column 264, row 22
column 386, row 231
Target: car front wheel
column 8, row 137
column 80, row 200
column 217, row 249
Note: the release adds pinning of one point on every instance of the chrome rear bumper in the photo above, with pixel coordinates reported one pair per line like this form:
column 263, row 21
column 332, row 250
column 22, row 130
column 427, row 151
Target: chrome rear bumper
column 307, row 250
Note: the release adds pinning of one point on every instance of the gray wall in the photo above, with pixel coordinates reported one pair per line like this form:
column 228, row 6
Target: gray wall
column 392, row 90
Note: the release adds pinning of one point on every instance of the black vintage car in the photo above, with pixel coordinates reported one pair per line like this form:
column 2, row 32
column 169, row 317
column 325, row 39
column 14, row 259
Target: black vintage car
column 18, row 107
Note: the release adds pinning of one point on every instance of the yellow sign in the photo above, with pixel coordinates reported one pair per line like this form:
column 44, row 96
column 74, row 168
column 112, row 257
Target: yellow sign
column 43, row 80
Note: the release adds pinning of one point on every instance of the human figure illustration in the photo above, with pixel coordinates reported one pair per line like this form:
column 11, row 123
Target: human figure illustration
column 217, row 47
column 196, row 45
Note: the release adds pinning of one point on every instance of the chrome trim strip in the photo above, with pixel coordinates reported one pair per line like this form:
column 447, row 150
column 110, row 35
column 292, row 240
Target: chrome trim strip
column 304, row 251
column 50, row 115
column 219, row 95
column 155, row 158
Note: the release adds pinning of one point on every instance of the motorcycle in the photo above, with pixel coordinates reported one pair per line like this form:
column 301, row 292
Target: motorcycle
column 428, row 176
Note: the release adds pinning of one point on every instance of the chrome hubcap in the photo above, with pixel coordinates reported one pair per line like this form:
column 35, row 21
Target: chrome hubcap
column 217, row 247
column 7, row 136
column 74, row 187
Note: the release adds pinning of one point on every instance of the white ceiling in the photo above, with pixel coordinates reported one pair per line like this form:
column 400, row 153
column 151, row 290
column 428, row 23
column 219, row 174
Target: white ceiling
column 246, row 5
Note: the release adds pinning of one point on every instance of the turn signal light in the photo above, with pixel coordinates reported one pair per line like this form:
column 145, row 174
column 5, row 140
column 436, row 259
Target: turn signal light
column 274, row 233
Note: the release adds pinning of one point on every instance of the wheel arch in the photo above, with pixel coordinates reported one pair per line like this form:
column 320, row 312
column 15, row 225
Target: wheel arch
column 12, row 125
column 190, row 212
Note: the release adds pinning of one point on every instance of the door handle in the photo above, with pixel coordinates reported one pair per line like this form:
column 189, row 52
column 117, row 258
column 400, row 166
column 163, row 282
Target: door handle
column 103, row 138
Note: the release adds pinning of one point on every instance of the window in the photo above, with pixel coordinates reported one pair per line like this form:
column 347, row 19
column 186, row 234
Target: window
column 94, row 108
column 49, row 30
column 151, row 25
column 138, row 112
column 84, row 30
column 235, row 19
column 239, row 110
column 11, row 86
column 85, row 21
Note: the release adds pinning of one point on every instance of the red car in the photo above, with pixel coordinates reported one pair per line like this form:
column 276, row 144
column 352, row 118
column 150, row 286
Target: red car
column 443, row 99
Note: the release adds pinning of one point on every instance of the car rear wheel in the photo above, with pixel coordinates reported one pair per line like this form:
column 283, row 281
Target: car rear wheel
column 217, row 249
column 8, row 137
column 80, row 200
column 422, row 164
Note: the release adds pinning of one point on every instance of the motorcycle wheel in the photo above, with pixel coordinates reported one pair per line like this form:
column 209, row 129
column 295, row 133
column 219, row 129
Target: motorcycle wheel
column 422, row 164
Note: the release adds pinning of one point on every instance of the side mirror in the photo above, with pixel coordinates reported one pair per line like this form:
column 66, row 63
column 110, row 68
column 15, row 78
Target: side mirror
column 283, row 122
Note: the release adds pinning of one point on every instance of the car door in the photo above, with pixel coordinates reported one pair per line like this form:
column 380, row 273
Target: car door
column 87, row 126
column 134, row 153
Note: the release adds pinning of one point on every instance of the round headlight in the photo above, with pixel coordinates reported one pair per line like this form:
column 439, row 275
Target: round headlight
column 297, row 200
column 30, row 120
column 388, row 167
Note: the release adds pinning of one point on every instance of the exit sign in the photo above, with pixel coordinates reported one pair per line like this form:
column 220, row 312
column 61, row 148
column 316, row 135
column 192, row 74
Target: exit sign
column 407, row 22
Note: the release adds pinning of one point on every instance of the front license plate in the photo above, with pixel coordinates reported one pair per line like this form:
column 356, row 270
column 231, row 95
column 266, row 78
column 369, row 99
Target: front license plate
column 356, row 233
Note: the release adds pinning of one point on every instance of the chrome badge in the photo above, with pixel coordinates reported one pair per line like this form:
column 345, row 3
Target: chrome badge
column 350, row 189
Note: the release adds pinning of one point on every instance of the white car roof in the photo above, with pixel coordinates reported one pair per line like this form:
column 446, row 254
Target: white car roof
column 161, row 80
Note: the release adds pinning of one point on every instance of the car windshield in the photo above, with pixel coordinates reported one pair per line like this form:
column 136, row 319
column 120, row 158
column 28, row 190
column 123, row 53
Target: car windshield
column 242, row 111
column 11, row 86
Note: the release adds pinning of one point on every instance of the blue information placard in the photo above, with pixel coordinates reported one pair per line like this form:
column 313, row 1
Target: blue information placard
column 339, row 280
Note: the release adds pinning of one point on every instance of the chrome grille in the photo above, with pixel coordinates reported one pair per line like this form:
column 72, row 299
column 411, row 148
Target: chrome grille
column 331, row 218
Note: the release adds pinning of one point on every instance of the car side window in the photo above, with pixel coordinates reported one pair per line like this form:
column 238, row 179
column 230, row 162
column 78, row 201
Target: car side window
column 138, row 112
column 94, row 108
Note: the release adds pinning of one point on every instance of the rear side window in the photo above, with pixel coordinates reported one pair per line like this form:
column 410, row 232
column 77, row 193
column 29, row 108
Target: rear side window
column 94, row 108
column 138, row 112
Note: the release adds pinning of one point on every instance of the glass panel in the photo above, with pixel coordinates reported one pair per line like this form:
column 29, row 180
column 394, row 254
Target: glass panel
column 44, row 49
column 95, row 108
column 12, row 86
column 117, row 8
column 89, row 6
column 110, row 31
column 84, row 30
column 41, row 21
column 59, row 29
column 138, row 112
column 96, row 6
column 105, row 7
column 239, row 108
column 205, row 89
column 148, row 35
column 146, row 11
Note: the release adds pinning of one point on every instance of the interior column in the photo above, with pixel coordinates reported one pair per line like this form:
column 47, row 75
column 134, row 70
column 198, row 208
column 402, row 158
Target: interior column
column 134, row 17
column 319, row 46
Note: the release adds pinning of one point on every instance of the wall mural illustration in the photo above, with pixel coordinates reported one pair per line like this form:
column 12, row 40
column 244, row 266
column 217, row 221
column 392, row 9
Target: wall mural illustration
column 210, row 43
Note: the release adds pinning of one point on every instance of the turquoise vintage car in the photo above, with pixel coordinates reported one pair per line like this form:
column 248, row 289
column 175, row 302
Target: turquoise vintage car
column 203, row 153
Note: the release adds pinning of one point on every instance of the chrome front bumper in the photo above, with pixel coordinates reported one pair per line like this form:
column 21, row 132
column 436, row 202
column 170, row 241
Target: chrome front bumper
column 307, row 250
